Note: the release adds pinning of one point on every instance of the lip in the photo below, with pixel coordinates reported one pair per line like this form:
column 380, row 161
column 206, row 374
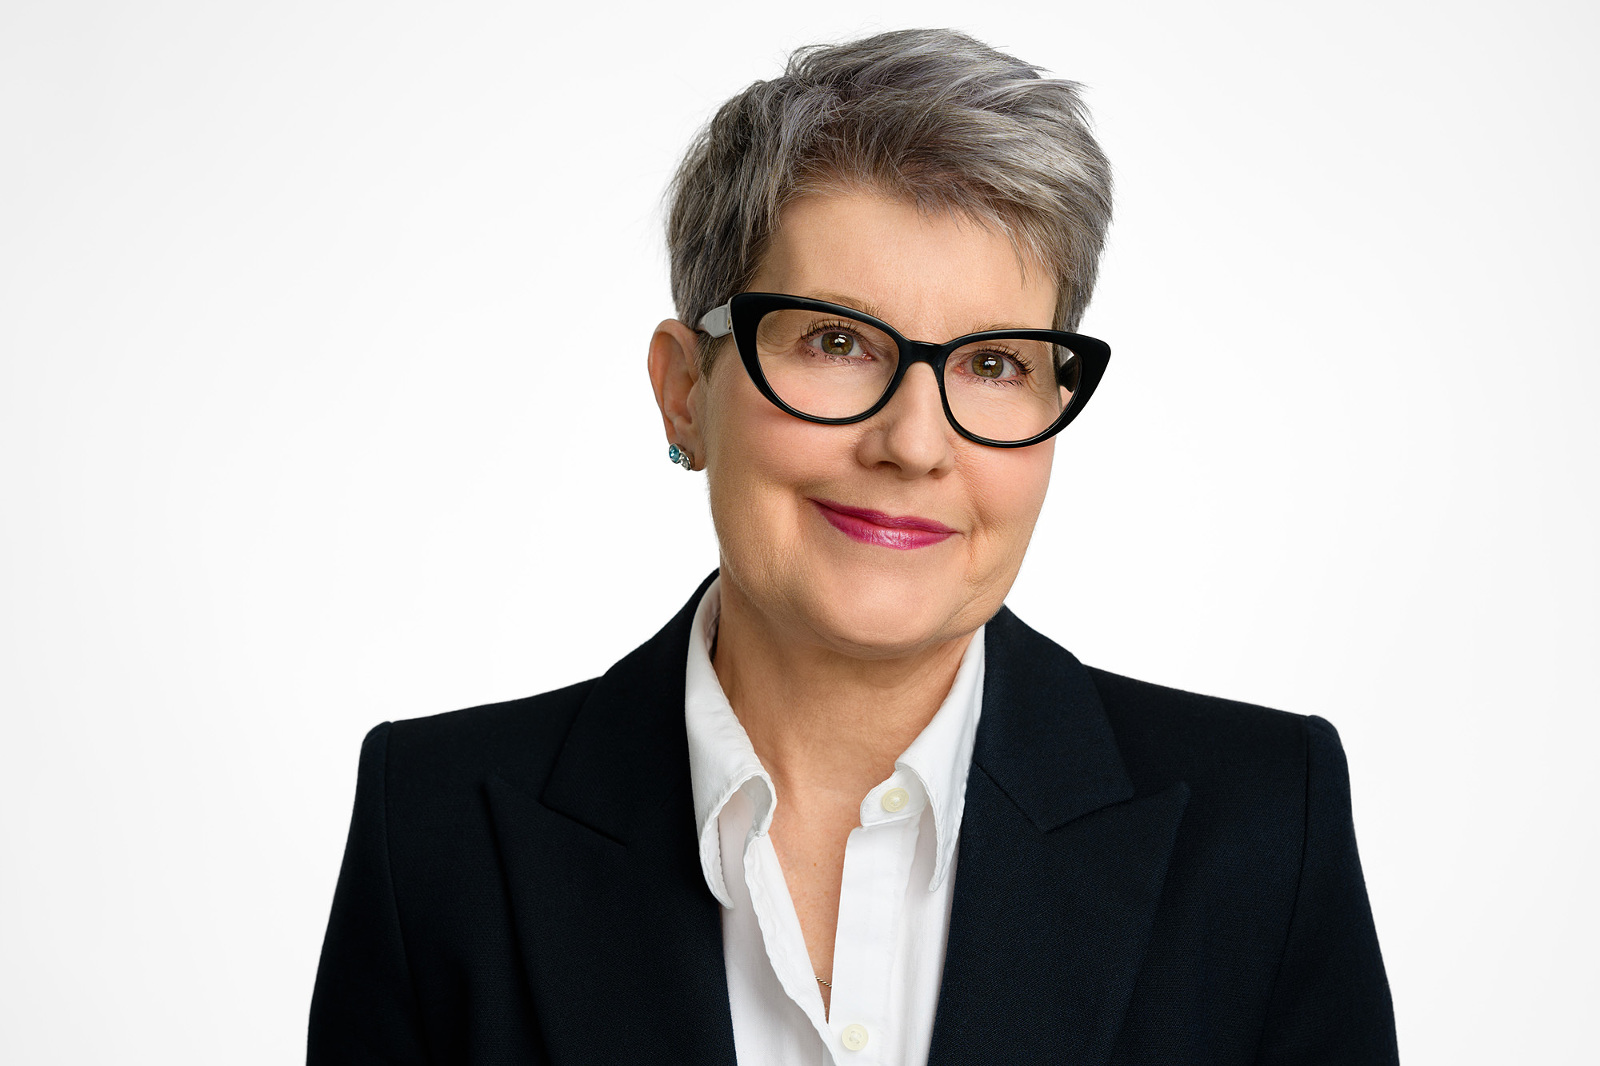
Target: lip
column 901, row 532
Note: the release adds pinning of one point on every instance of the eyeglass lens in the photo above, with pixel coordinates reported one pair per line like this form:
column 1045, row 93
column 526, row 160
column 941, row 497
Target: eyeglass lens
column 834, row 366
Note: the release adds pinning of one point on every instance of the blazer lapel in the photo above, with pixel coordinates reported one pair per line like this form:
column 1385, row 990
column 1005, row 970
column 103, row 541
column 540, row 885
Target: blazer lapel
column 621, row 939
column 1059, row 872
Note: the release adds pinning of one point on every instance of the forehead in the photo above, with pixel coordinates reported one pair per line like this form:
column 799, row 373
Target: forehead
column 931, row 274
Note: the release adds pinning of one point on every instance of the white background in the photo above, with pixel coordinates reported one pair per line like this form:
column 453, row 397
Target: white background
column 322, row 402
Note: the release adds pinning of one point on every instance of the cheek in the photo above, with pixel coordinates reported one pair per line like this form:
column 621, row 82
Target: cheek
column 755, row 448
column 729, row 421
column 757, row 461
column 1009, row 492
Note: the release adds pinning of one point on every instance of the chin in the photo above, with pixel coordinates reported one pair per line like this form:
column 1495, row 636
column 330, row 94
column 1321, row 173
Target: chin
column 877, row 615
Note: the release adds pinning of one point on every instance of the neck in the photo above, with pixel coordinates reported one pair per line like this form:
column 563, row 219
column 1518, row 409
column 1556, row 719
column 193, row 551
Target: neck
column 827, row 726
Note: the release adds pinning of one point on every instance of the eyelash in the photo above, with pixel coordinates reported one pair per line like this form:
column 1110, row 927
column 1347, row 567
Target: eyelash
column 1024, row 367
column 834, row 327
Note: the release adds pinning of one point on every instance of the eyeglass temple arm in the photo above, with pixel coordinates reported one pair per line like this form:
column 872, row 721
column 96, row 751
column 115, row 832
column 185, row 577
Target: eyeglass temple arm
column 718, row 322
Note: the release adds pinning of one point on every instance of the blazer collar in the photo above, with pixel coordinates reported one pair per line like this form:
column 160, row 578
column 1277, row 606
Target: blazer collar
column 1044, row 738
column 1060, row 868
column 624, row 770
column 619, row 936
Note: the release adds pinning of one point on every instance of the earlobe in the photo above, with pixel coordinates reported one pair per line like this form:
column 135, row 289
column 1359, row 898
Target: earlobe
column 674, row 373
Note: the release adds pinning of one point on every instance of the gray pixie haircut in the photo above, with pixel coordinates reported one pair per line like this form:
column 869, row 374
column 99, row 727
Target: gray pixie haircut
column 931, row 116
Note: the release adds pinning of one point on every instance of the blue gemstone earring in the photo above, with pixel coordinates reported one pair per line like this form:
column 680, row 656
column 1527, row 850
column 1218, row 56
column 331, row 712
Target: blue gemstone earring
column 680, row 456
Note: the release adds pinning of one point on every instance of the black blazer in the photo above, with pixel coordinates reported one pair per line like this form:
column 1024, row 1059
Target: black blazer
column 1145, row 876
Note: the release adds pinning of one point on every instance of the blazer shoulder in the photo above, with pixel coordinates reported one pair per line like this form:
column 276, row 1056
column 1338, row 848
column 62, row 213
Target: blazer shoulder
column 1216, row 745
column 1144, row 701
column 518, row 740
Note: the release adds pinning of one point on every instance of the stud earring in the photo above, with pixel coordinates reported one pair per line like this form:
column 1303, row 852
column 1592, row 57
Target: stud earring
column 680, row 456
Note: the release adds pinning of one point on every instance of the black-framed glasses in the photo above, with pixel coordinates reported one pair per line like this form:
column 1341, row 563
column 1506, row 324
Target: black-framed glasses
column 1007, row 388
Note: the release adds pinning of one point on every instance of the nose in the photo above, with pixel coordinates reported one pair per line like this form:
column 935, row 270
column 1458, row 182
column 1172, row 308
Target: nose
column 911, row 435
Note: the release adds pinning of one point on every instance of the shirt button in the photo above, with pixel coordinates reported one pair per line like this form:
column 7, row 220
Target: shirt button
column 854, row 1037
column 894, row 801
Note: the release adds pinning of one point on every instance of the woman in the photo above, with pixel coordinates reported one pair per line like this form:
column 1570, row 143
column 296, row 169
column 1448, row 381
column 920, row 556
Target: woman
column 846, row 807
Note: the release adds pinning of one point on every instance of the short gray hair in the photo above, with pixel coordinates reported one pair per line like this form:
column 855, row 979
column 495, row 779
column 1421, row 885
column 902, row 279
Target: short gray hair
column 933, row 116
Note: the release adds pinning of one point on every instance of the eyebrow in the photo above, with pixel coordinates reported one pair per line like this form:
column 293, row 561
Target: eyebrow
column 869, row 308
column 864, row 306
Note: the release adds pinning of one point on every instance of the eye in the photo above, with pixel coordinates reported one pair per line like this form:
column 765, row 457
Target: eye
column 988, row 365
column 836, row 342
column 997, row 365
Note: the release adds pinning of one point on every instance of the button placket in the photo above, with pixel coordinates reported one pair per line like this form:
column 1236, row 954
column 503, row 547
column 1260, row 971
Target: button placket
column 877, row 867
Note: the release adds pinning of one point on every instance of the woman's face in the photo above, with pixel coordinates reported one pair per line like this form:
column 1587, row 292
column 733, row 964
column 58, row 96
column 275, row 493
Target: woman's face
column 783, row 490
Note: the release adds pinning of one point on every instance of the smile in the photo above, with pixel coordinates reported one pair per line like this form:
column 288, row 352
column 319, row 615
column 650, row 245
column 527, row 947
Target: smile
column 887, row 531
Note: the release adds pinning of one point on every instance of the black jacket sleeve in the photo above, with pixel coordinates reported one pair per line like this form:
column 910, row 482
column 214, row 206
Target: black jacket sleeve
column 1330, row 1000
column 364, row 1007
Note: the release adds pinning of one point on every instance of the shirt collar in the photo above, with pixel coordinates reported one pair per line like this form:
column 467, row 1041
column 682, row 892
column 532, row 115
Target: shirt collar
column 722, row 760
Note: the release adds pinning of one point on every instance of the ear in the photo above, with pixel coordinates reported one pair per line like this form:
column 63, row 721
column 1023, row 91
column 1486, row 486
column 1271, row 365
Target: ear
column 675, row 377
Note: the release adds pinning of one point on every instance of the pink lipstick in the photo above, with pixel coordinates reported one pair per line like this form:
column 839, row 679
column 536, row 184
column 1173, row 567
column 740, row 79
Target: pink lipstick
column 887, row 531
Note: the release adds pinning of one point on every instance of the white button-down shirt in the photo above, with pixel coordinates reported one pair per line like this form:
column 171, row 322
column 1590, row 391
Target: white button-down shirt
column 894, row 903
